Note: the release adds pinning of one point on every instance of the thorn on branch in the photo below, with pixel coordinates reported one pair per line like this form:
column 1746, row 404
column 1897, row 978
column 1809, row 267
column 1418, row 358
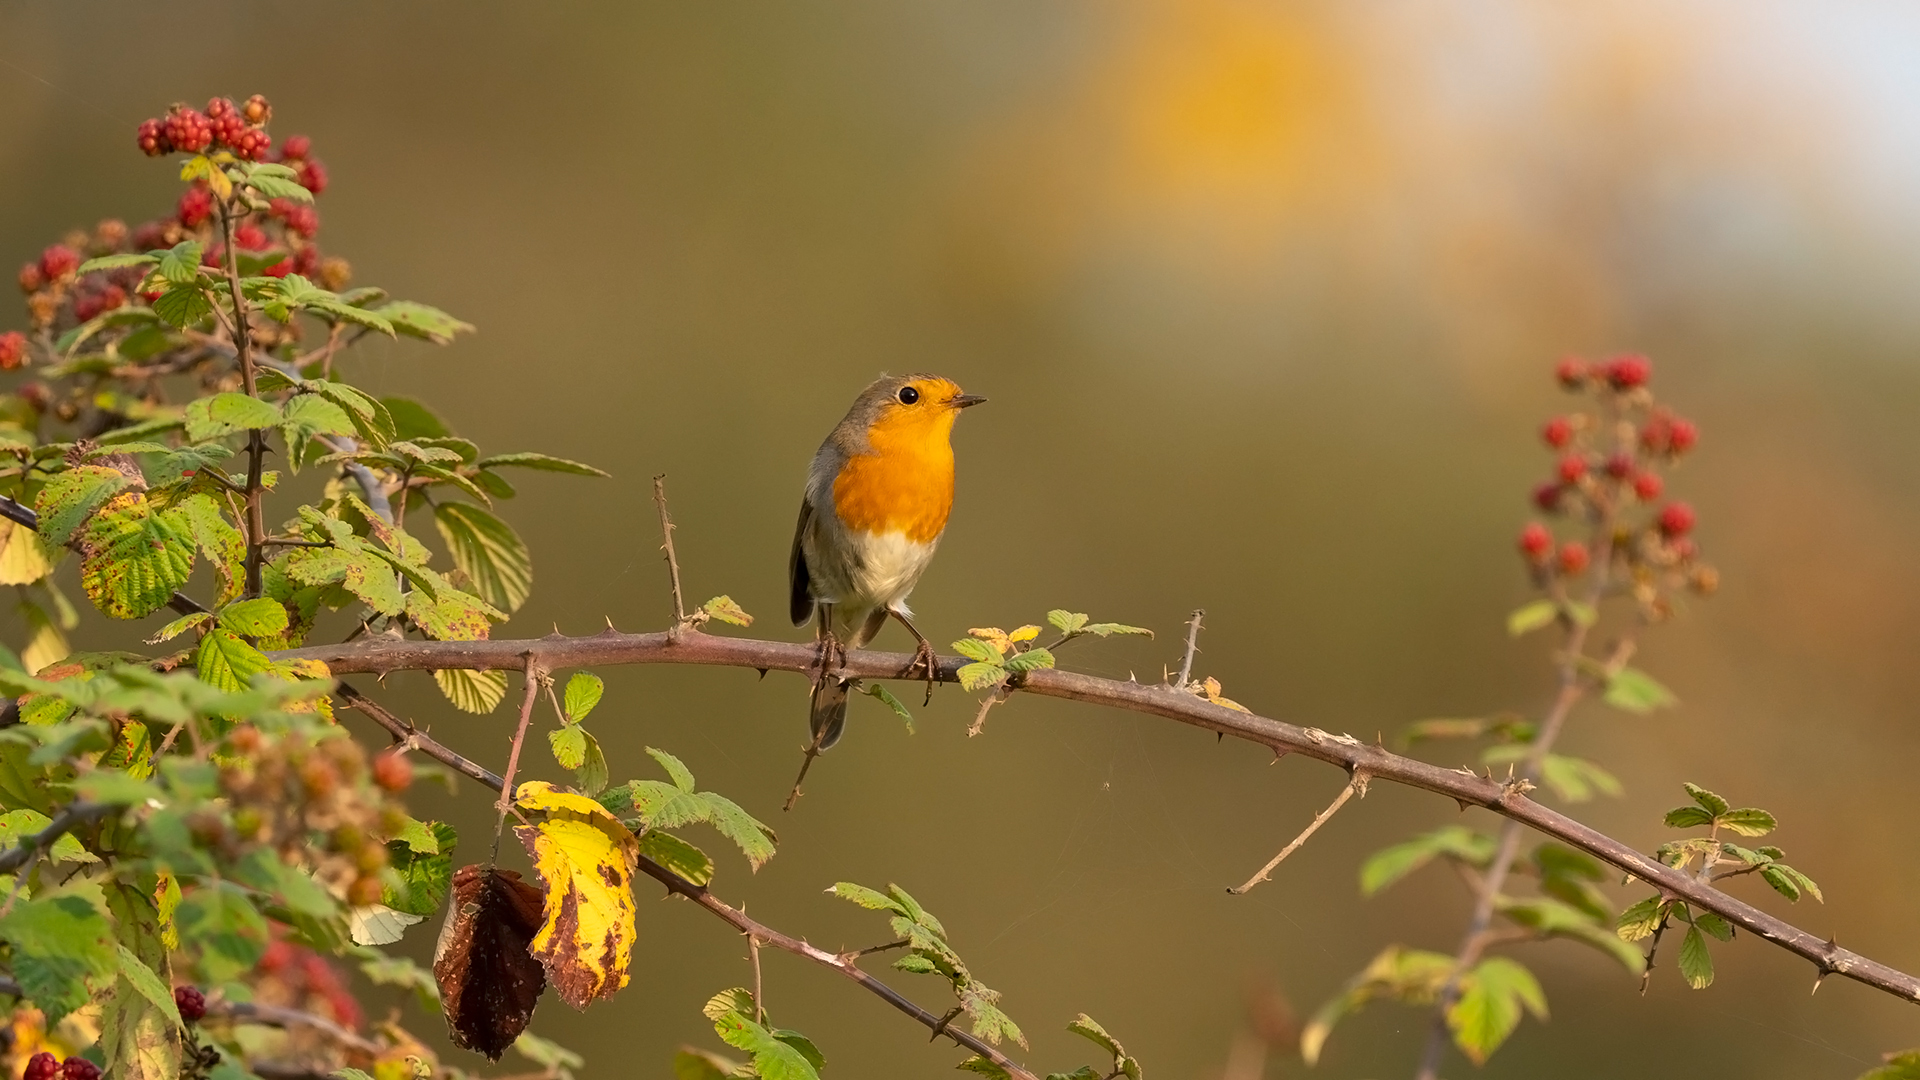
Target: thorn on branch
column 673, row 561
column 812, row 751
column 1193, row 643
column 1357, row 785
column 941, row 1027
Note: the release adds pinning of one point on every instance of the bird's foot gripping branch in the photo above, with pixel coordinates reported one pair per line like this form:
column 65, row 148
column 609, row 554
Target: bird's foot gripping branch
column 198, row 865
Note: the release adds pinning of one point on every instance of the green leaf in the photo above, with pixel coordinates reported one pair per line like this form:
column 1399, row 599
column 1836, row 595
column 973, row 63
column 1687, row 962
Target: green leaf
column 872, row 899
column 227, row 930
column 1108, row 629
column 1576, row 779
column 1032, row 660
column 413, row 420
column 569, row 746
column 725, row 610
column 308, row 416
column 1696, row 964
column 256, row 618
column 1530, row 617
column 419, row 320
column 1641, row 920
column 682, row 777
column 183, row 306
column 1067, row 622
column 487, row 549
column 542, row 462
column 979, row 676
column 692, row 1063
column 773, row 1059
column 875, row 690
column 118, row 262
column 226, row 662
column 754, row 839
column 425, row 875
column 1806, row 883
column 181, row 265
column 364, row 573
column 1637, row 692
column 1748, row 821
column 1688, row 817
column 133, row 558
column 1714, row 924
column 677, row 855
column 1781, row 881
column 147, row 984
column 224, row 414
column 584, row 691
column 472, row 691
column 71, row 497
column 1389, row 865
column 1707, row 800
column 1489, row 1008
column 59, row 941
column 1902, row 1066
column 975, row 649
column 273, row 186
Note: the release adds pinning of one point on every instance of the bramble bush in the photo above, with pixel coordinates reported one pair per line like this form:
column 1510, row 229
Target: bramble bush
column 198, row 864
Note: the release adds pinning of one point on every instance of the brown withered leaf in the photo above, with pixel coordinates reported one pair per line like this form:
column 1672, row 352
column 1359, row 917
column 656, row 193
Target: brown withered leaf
column 489, row 980
column 587, row 859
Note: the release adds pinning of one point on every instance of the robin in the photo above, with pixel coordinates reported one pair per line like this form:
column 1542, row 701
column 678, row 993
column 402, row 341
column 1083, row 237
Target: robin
column 877, row 499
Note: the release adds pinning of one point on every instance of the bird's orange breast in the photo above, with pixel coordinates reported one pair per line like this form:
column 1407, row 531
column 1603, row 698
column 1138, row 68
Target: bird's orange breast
column 905, row 485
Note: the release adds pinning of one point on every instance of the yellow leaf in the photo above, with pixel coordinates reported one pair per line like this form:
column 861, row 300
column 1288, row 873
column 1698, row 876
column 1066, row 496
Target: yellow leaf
column 1025, row 633
column 587, row 859
column 1212, row 687
column 23, row 558
column 993, row 636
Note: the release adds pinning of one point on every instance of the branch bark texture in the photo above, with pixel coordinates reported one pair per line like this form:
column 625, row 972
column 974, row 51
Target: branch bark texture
column 1468, row 789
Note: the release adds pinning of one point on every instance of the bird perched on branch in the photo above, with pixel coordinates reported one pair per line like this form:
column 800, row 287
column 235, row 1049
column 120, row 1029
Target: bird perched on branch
column 877, row 499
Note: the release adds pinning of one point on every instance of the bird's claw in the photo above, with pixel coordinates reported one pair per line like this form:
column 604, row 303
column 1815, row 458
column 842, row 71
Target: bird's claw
column 832, row 656
column 924, row 660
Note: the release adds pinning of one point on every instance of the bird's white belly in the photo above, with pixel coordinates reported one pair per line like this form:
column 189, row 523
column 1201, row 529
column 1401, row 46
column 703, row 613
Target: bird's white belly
column 885, row 568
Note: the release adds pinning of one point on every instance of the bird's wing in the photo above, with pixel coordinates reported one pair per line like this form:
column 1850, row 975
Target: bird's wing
column 800, row 603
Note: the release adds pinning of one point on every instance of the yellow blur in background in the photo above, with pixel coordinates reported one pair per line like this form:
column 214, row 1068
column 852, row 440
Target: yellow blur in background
column 1266, row 297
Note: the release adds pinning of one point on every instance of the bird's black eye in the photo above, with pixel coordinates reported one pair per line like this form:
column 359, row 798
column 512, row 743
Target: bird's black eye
column 908, row 395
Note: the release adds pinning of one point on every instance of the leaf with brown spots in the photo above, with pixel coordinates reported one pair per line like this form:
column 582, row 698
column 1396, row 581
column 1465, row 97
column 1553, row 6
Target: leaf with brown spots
column 587, row 859
column 489, row 979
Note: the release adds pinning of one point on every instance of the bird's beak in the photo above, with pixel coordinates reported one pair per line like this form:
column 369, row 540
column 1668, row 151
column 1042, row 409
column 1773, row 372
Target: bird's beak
column 965, row 400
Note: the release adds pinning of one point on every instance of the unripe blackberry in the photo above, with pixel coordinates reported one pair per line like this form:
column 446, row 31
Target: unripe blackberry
column 303, row 221
column 188, row 129
column 1573, row 559
column 79, row 1068
column 251, row 238
column 1681, row 435
column 1571, row 372
column 42, row 307
column 86, row 305
column 296, row 148
column 58, row 261
column 37, row 395
column 280, row 269
column 42, row 1066
column 228, row 130
column 335, row 273
column 306, row 261
column 13, row 350
column 371, row 858
column 247, row 822
column 1684, row 549
column 1629, row 372
column 252, row 144
column 195, row 207
column 392, row 820
column 1535, row 541
column 346, row 838
column 319, row 777
column 1647, row 486
column 1677, row 519
column 153, row 139
column 1619, row 466
column 1572, row 469
column 31, row 278
column 1704, row 580
column 1557, row 432
column 1547, row 497
column 312, row 175
column 110, row 234
column 257, row 110
column 191, row 1003
column 150, row 235
column 245, row 739
column 392, row 771
column 220, row 107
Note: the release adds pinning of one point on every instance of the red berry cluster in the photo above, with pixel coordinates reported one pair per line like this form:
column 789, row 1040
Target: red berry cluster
column 13, row 350
column 1607, row 477
column 44, row 1066
column 240, row 130
column 191, row 1003
column 297, row 976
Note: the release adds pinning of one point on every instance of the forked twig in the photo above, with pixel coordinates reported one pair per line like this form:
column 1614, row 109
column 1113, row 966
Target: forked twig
column 1356, row 785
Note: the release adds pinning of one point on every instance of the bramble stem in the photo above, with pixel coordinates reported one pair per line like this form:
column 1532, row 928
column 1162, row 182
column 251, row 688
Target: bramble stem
column 1357, row 785
column 256, row 438
column 534, row 674
column 673, row 562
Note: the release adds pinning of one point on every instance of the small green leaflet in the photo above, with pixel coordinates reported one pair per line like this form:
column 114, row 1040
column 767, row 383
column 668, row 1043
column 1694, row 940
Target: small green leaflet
column 149, row 985
column 419, row 320
column 1530, row 617
column 543, row 462
column 725, row 610
column 224, row 414
column 472, row 691
column 1389, row 865
column 584, row 691
column 1636, row 692
column 885, row 697
column 1492, row 996
column 670, row 806
column 1696, row 964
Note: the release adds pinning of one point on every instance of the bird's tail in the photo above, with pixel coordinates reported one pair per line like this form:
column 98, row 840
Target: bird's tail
column 829, row 711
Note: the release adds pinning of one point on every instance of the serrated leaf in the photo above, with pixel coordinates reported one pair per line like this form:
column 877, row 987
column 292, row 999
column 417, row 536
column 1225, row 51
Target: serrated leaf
column 569, row 746
column 1576, row 779
column 1640, row 920
column 1065, row 621
column 1489, row 1008
column 472, row 691
column 134, row 558
column 1089, row 1029
column 71, row 497
column 1032, row 660
column 1637, row 692
column 118, row 262
column 1109, row 629
column 724, row 609
column 979, row 676
column 1707, row 800
column 693, row 1063
column 147, row 984
column 872, row 899
column 978, row 650
column 1781, row 881
column 180, row 626
column 1748, row 821
column 418, row 320
column 1805, row 882
column 682, row 777
column 1696, row 963
column 1687, row 817
column 493, row 556
column 183, row 306
column 272, row 186
column 587, row 859
column 542, row 462
column 226, row 662
column 875, row 690
column 584, row 691
column 1714, row 924
column 180, row 265
column 223, row 414
column 754, row 839
column 413, row 420
column 677, row 855
column 256, row 618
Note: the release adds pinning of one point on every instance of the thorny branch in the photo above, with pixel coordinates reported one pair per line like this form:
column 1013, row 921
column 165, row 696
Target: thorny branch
column 673, row 562
column 1357, row 785
column 1463, row 786
column 256, row 438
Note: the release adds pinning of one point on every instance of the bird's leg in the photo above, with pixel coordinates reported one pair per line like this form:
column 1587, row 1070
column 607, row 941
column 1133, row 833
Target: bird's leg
column 832, row 653
column 923, row 657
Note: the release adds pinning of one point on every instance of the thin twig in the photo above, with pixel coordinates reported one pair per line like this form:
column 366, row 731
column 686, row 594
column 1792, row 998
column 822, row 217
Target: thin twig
column 1193, row 643
column 673, row 561
column 406, row 734
column 74, row 816
column 534, row 674
column 1357, row 785
column 611, row 648
column 759, row 996
column 256, row 437
column 812, row 751
column 258, row 1012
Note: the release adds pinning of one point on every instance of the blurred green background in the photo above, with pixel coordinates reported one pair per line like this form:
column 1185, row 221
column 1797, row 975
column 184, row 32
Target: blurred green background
column 1265, row 297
